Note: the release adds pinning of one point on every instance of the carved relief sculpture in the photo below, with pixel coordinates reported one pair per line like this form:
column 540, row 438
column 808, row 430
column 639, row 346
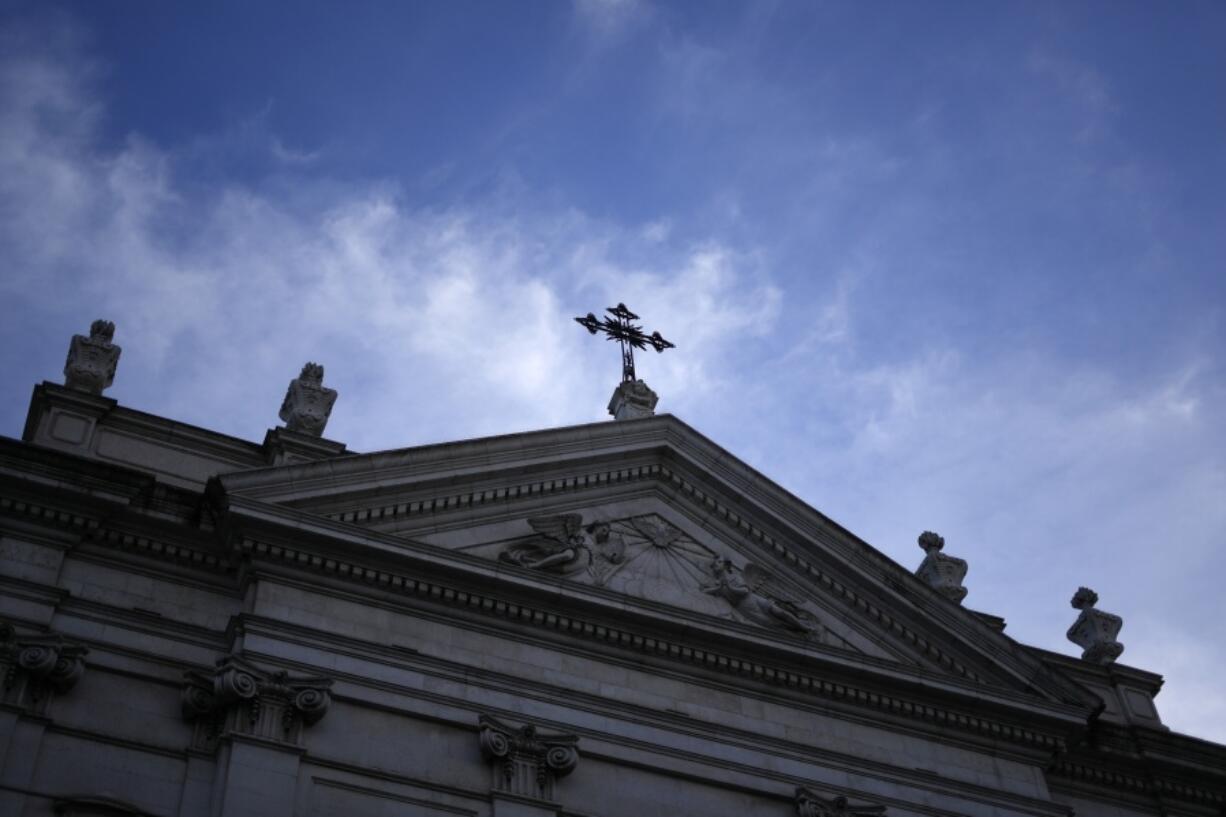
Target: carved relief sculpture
column 1094, row 630
column 811, row 804
column 750, row 592
column 92, row 360
column 240, row 698
column 943, row 573
column 526, row 762
column 35, row 667
column 649, row 557
column 308, row 404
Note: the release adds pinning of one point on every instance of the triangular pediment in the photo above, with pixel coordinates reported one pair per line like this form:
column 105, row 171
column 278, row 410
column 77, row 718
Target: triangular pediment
column 650, row 515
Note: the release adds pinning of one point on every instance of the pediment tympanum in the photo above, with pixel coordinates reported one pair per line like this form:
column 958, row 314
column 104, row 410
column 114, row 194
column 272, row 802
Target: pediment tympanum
column 651, row 558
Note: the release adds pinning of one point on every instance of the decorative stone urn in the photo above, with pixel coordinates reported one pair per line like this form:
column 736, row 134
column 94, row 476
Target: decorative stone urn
column 633, row 399
column 92, row 360
column 943, row 573
column 1094, row 630
column 308, row 404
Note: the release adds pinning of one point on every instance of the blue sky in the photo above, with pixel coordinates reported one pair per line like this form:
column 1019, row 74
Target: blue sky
column 948, row 266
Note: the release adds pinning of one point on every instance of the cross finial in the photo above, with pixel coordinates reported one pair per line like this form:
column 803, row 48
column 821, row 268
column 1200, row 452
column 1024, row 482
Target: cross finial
column 630, row 335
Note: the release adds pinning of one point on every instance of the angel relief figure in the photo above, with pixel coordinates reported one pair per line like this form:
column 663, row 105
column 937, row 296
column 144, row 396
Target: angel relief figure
column 561, row 546
column 751, row 594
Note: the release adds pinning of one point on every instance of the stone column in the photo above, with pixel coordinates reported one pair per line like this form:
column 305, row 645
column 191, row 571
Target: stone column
column 34, row 670
column 253, row 720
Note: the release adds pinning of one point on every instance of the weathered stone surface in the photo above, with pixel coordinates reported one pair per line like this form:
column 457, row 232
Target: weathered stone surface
column 811, row 804
column 942, row 572
column 240, row 698
column 526, row 762
column 92, row 360
column 656, row 605
column 308, row 404
column 1095, row 630
column 633, row 400
column 36, row 667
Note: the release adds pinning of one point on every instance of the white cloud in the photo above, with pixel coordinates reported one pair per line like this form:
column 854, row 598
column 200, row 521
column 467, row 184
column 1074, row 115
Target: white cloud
column 419, row 315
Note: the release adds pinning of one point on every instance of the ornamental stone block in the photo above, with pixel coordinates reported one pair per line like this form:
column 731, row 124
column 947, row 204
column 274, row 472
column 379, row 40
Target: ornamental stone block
column 92, row 360
column 942, row 573
column 239, row 698
column 308, row 404
column 1095, row 630
column 525, row 762
column 811, row 804
column 632, row 399
column 35, row 668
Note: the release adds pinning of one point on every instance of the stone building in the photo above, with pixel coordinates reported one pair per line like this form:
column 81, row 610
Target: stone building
column 618, row 619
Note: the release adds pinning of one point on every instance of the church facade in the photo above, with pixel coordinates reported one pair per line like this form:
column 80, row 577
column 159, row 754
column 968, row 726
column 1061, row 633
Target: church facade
column 618, row 619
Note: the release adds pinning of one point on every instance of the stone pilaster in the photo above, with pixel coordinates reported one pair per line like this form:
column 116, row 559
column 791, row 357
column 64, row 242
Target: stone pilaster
column 942, row 573
column 308, row 404
column 1095, row 630
column 238, row 698
column 632, row 399
column 35, row 668
column 92, row 360
column 526, row 763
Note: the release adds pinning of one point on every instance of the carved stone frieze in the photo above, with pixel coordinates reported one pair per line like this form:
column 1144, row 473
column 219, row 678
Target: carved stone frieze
column 632, row 400
column 526, row 762
column 308, row 403
column 811, row 804
column 1095, row 630
column 34, row 668
column 751, row 592
column 239, row 698
column 649, row 557
column 942, row 572
column 92, row 360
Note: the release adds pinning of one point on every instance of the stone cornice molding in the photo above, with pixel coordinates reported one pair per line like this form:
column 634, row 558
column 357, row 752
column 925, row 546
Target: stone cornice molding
column 239, row 698
column 301, row 529
column 666, row 450
column 34, row 668
column 928, row 698
column 526, row 763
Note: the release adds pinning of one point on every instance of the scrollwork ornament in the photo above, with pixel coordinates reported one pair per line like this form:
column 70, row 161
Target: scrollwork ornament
column 562, row 759
column 233, row 684
column 312, row 704
column 38, row 659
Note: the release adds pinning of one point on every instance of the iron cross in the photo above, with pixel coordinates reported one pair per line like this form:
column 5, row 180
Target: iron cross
column 629, row 335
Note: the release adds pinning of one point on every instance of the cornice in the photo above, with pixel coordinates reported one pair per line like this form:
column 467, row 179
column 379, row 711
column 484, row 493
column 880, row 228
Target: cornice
column 729, row 650
column 703, row 732
column 662, row 463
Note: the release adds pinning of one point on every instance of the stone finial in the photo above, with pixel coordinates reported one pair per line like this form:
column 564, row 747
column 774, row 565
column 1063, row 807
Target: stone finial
column 308, row 403
column 632, row 399
column 36, row 666
column 811, row 804
column 1094, row 630
column 526, row 762
column 238, row 697
column 942, row 572
column 92, row 360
